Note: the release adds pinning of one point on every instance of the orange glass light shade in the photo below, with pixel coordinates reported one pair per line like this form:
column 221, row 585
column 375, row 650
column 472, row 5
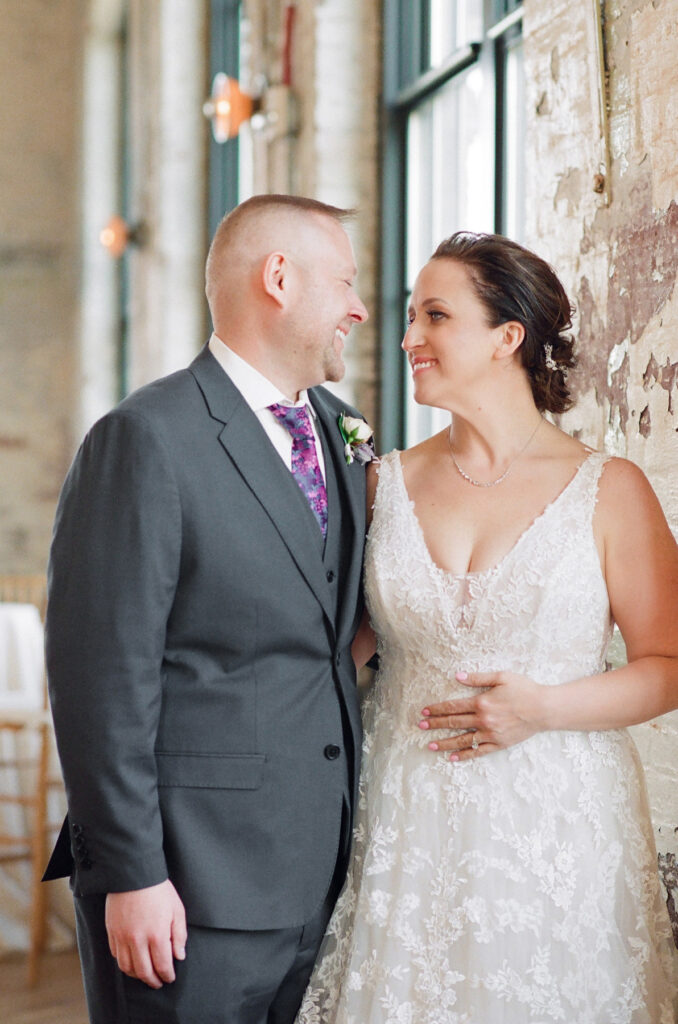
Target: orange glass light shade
column 115, row 236
column 228, row 107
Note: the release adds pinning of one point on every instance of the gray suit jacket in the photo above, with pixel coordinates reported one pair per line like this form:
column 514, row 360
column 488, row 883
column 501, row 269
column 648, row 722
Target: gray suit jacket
column 199, row 664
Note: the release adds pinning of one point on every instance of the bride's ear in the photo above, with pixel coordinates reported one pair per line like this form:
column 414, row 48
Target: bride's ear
column 510, row 337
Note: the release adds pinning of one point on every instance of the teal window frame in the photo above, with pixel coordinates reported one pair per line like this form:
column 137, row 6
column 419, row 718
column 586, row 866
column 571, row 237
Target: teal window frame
column 408, row 81
column 224, row 55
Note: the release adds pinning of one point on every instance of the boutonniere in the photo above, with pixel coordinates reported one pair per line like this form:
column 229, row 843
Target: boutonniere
column 357, row 437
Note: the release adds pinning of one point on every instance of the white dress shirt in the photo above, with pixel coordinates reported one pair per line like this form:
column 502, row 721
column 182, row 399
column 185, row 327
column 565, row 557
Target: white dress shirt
column 259, row 392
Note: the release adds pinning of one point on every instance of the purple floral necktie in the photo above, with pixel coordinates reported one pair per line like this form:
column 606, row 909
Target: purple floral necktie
column 305, row 467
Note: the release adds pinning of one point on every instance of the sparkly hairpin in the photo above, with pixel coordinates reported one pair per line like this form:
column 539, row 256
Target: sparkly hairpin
column 551, row 364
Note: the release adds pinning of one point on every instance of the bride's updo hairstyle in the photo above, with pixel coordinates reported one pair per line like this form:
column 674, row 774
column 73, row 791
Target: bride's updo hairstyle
column 515, row 284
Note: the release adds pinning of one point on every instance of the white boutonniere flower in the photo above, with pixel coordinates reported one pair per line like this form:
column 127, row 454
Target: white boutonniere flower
column 357, row 437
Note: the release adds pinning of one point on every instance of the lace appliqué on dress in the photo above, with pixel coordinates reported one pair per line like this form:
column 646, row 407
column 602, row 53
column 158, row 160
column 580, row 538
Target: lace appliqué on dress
column 521, row 887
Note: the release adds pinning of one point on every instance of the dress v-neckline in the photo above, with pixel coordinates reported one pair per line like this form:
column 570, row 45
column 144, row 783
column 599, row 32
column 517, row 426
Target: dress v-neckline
column 480, row 573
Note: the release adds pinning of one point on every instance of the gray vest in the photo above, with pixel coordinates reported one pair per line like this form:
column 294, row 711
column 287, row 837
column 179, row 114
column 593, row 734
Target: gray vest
column 335, row 560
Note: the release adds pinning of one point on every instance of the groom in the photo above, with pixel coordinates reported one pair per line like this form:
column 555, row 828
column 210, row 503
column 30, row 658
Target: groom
column 204, row 594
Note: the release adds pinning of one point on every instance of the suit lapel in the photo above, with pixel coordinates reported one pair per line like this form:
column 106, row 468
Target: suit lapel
column 351, row 484
column 245, row 442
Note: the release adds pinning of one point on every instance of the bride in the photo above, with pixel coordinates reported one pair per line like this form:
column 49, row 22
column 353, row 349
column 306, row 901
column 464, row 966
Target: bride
column 504, row 868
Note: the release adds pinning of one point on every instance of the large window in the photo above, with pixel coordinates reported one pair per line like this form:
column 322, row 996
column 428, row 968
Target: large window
column 454, row 124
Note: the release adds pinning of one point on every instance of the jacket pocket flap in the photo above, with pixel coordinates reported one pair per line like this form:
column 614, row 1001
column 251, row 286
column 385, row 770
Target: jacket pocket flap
column 210, row 771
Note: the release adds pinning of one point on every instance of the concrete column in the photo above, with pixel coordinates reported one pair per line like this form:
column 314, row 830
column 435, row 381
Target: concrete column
column 169, row 137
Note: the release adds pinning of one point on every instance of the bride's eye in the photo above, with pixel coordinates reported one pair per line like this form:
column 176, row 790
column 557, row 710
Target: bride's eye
column 435, row 314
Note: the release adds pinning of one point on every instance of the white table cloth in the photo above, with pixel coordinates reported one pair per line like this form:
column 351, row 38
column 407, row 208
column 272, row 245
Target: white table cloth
column 21, row 656
column 22, row 689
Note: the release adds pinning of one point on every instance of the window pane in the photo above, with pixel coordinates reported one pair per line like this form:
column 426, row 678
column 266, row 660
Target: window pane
column 504, row 7
column 450, row 185
column 453, row 23
column 450, row 166
column 514, row 147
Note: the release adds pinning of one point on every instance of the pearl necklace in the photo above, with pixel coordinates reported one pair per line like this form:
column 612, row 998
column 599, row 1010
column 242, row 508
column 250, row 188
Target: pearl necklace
column 492, row 483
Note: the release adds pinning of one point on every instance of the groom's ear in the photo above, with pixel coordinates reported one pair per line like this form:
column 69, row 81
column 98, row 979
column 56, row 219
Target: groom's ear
column 274, row 276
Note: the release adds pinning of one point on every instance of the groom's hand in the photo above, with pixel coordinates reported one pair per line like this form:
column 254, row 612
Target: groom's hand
column 146, row 930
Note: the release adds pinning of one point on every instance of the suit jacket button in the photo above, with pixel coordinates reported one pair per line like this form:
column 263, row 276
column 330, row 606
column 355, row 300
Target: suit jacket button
column 329, row 575
column 332, row 751
column 337, row 658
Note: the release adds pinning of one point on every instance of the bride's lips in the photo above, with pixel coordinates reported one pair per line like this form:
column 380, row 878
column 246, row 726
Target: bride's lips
column 419, row 365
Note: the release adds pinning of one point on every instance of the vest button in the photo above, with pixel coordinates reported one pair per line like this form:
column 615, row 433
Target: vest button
column 332, row 752
column 329, row 575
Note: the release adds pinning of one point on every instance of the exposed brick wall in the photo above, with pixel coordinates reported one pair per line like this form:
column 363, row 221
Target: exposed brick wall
column 59, row 308
column 39, row 267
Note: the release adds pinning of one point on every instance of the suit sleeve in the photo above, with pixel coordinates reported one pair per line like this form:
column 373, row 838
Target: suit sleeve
column 113, row 572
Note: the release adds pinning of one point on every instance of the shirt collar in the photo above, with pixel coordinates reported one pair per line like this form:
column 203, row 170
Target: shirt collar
column 257, row 390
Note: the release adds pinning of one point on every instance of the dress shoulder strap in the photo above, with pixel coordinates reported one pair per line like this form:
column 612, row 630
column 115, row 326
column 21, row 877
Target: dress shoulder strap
column 578, row 501
column 591, row 471
column 387, row 482
column 387, row 467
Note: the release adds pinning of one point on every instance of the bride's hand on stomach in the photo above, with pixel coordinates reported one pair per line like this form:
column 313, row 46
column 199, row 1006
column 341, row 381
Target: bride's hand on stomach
column 505, row 713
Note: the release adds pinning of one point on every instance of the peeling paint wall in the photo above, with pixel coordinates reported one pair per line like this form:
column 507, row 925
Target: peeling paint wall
column 618, row 261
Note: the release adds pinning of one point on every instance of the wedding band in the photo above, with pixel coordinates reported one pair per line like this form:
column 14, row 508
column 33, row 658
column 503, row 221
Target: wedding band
column 474, row 742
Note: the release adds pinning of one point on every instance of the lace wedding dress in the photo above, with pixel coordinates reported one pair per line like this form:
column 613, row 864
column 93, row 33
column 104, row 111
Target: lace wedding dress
column 522, row 886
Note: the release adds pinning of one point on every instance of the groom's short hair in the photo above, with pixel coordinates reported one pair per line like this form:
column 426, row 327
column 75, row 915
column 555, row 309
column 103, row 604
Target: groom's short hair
column 280, row 202
column 239, row 226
